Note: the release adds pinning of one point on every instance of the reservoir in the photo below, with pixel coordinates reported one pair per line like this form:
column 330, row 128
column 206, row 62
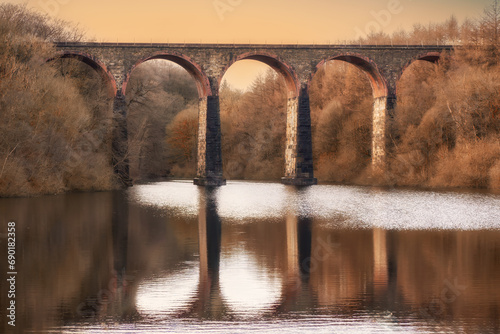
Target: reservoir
column 171, row 257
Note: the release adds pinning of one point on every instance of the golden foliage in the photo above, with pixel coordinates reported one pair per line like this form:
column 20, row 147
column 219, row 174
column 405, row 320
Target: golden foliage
column 54, row 133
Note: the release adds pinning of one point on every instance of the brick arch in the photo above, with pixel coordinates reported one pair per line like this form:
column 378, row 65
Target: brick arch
column 368, row 66
column 93, row 62
column 276, row 63
column 202, row 82
column 432, row 57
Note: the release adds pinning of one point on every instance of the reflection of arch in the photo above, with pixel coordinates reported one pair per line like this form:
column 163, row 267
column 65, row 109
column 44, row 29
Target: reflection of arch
column 202, row 82
column 432, row 57
column 276, row 64
column 213, row 298
column 365, row 64
column 93, row 62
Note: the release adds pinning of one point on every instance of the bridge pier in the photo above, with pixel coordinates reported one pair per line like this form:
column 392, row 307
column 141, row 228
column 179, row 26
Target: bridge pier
column 209, row 171
column 383, row 109
column 298, row 155
column 120, row 140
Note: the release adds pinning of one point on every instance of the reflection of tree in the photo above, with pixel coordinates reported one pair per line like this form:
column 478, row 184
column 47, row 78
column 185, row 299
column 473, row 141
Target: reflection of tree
column 447, row 276
column 341, row 278
column 114, row 296
column 81, row 250
column 66, row 258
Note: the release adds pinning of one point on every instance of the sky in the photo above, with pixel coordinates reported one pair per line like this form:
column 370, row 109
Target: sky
column 249, row 21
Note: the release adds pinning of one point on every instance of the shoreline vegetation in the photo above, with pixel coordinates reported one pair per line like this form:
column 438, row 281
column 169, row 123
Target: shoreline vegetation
column 445, row 132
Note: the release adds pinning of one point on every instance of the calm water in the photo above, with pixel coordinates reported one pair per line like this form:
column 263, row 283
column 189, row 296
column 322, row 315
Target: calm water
column 254, row 257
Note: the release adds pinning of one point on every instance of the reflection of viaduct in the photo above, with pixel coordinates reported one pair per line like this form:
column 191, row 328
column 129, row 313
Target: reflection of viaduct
column 209, row 302
column 334, row 272
column 208, row 63
column 303, row 255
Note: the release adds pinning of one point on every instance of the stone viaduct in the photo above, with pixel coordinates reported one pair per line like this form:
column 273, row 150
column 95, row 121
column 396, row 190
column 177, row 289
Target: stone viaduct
column 207, row 64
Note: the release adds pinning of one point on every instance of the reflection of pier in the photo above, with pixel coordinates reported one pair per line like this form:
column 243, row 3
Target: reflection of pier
column 317, row 273
column 123, row 302
column 208, row 302
column 318, row 268
column 313, row 267
column 296, row 292
column 384, row 268
column 335, row 271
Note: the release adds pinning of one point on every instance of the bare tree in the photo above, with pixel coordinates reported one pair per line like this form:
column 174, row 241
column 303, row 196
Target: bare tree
column 490, row 24
column 27, row 22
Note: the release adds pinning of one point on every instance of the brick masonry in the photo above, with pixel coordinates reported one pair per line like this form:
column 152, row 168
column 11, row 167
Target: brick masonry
column 207, row 64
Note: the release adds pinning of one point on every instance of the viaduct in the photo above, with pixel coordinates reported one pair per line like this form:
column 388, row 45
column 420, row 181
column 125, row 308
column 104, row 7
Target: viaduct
column 207, row 64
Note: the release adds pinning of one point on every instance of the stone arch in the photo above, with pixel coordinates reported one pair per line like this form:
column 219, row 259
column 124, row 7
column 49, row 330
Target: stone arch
column 209, row 170
column 276, row 63
column 432, row 57
column 383, row 102
column 298, row 162
column 368, row 66
column 201, row 79
column 93, row 62
column 119, row 131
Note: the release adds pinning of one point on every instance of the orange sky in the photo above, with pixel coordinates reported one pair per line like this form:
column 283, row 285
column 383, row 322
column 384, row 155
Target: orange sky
column 257, row 21
column 244, row 21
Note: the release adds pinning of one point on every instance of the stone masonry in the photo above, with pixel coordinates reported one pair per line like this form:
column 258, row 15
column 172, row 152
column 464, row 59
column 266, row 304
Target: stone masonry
column 207, row 64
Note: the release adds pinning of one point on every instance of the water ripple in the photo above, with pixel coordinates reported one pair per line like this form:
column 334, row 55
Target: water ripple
column 354, row 206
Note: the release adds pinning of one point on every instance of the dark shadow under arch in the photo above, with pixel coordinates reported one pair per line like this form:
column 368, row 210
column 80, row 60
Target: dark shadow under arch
column 431, row 57
column 95, row 64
